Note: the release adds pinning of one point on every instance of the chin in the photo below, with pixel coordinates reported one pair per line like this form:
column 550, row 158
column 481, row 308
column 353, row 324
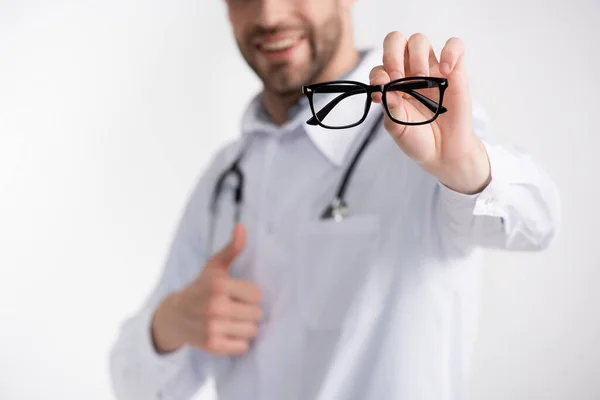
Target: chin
column 285, row 86
column 285, row 82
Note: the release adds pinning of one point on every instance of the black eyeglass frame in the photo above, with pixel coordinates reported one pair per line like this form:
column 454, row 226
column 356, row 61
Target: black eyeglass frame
column 308, row 91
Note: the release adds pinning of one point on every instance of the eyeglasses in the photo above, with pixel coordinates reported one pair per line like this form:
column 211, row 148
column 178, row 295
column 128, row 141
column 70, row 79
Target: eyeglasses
column 344, row 104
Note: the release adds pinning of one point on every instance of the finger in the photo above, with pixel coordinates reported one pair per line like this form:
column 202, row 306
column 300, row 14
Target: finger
column 421, row 56
column 223, row 307
column 451, row 56
column 244, row 291
column 241, row 330
column 223, row 345
column 240, row 311
column 224, row 257
column 378, row 76
column 232, row 329
column 394, row 48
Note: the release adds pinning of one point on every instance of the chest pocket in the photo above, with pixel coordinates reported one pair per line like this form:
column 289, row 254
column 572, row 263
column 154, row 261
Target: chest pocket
column 332, row 261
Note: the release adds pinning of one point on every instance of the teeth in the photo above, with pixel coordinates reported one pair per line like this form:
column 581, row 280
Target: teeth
column 279, row 45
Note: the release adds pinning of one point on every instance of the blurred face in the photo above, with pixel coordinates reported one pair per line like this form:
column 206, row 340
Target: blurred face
column 288, row 43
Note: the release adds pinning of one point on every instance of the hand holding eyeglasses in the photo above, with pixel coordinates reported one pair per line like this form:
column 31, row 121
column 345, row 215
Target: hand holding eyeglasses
column 427, row 105
column 447, row 147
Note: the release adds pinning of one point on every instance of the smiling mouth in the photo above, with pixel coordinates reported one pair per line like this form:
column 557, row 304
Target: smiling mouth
column 278, row 44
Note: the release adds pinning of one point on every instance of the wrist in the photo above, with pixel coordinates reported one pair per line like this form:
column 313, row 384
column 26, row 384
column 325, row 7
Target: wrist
column 164, row 337
column 470, row 174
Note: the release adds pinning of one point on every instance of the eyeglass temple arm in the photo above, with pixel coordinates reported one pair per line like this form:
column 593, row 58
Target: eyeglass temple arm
column 426, row 101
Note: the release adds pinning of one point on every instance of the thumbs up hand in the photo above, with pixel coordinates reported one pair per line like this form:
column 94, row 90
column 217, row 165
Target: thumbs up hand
column 214, row 313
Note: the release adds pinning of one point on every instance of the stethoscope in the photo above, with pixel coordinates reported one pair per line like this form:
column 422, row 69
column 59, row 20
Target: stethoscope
column 336, row 210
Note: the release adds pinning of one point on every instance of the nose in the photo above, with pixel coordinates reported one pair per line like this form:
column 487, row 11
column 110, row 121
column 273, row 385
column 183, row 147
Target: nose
column 271, row 13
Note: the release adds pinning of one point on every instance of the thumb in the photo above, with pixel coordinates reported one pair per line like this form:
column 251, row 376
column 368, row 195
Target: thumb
column 233, row 248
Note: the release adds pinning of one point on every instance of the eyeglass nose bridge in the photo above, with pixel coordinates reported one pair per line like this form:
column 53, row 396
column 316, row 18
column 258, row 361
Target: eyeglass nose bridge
column 376, row 89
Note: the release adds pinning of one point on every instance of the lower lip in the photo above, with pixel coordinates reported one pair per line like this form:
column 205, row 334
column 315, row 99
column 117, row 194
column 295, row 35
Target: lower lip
column 281, row 55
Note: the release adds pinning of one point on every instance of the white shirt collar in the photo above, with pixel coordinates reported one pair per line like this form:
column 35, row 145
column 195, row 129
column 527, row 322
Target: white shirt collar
column 333, row 143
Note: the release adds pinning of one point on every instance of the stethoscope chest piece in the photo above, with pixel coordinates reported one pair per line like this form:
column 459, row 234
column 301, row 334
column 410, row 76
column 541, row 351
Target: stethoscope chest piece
column 337, row 210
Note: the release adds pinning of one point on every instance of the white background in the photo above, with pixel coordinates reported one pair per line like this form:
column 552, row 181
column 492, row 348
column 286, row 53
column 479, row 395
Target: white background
column 109, row 111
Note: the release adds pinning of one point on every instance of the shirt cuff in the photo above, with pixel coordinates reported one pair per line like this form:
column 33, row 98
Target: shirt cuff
column 491, row 201
column 166, row 364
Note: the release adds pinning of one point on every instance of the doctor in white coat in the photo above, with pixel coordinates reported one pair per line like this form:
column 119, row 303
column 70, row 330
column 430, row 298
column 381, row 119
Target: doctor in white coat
column 278, row 293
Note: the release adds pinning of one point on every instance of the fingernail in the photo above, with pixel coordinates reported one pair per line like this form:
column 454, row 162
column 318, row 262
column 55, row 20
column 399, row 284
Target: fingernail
column 396, row 75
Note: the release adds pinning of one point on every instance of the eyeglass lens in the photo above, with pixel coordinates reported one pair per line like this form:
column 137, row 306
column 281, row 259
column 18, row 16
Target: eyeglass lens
column 420, row 94
column 340, row 105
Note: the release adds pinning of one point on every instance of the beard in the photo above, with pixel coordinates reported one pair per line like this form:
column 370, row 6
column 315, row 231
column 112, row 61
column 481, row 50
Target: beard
column 284, row 78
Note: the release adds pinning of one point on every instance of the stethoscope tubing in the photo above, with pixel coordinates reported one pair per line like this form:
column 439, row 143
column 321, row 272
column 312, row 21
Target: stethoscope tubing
column 337, row 209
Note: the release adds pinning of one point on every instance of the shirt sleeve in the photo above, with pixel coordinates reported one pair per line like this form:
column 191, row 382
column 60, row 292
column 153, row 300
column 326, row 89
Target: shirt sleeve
column 518, row 210
column 137, row 371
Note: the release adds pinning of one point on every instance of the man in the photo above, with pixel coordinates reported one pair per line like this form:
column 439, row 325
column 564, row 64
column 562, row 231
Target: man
column 379, row 305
